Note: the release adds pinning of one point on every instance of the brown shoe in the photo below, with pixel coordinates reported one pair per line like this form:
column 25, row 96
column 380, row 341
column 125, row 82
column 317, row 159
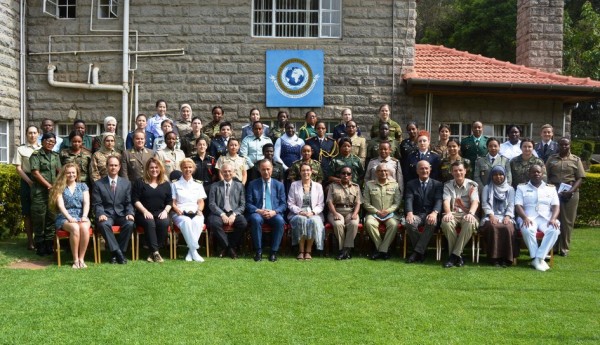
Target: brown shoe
column 157, row 258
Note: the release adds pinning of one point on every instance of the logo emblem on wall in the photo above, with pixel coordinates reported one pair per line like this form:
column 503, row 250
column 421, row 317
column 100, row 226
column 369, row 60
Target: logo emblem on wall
column 294, row 78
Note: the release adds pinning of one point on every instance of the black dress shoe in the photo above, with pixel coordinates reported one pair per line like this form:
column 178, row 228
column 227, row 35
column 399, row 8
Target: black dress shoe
column 412, row 258
column 120, row 257
column 232, row 253
column 341, row 256
column 113, row 260
column 375, row 256
column 384, row 255
column 458, row 261
column 449, row 263
column 421, row 258
column 222, row 253
column 258, row 256
column 273, row 257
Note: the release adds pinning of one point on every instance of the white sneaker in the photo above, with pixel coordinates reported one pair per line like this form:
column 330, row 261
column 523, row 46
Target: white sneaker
column 188, row 257
column 196, row 257
column 544, row 265
column 538, row 265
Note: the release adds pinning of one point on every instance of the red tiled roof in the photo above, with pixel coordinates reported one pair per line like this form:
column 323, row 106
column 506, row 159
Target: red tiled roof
column 438, row 63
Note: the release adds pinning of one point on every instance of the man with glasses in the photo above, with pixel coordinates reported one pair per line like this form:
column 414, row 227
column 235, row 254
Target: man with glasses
column 381, row 199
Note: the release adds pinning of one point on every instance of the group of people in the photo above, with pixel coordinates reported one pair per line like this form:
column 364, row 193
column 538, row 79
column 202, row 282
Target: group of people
column 187, row 172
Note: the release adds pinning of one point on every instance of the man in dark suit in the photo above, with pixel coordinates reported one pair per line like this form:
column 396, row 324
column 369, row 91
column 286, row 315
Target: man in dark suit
column 265, row 203
column 111, row 199
column 227, row 204
column 422, row 205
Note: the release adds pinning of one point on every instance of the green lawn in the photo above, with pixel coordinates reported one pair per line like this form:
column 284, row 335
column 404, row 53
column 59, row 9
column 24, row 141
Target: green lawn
column 320, row 302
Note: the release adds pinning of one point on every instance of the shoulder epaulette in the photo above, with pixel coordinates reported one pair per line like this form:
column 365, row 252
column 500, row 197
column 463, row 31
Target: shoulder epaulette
column 394, row 159
column 550, row 185
column 199, row 181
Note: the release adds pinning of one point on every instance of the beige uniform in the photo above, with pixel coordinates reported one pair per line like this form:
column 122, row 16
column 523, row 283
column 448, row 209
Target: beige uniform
column 170, row 159
column 565, row 170
column 240, row 164
column 381, row 197
column 133, row 163
column 393, row 167
column 344, row 200
column 359, row 147
column 460, row 198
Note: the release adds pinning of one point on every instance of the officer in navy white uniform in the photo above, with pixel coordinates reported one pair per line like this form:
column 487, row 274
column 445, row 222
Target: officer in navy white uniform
column 537, row 206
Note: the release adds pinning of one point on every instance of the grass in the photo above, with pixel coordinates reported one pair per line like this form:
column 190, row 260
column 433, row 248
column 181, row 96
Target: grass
column 320, row 302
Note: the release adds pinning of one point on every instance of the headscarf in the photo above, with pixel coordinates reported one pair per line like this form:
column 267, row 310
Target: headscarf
column 497, row 192
column 104, row 136
column 185, row 105
column 110, row 119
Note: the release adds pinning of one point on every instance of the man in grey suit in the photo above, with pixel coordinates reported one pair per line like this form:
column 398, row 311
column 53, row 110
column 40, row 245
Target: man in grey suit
column 422, row 204
column 111, row 199
column 227, row 203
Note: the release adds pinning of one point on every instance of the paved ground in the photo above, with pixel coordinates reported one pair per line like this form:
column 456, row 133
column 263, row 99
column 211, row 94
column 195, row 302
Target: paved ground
column 29, row 265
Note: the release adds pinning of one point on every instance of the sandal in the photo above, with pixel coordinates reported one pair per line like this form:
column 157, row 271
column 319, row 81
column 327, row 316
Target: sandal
column 76, row 265
column 300, row 256
column 82, row 264
column 307, row 256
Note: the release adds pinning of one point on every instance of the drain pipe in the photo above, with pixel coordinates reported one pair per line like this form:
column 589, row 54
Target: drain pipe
column 125, row 72
column 22, row 81
column 93, row 86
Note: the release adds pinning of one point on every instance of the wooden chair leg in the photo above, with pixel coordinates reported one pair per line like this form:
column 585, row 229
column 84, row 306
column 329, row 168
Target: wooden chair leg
column 95, row 249
column 207, row 245
column 57, row 250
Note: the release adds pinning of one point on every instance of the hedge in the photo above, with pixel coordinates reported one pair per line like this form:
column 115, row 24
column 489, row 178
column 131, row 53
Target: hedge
column 11, row 222
column 587, row 212
column 595, row 168
column 583, row 148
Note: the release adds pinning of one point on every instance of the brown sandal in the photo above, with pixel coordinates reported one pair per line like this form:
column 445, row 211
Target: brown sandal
column 307, row 256
column 300, row 256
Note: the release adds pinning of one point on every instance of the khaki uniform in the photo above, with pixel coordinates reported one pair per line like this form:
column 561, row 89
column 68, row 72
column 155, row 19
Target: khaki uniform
column 344, row 200
column 393, row 166
column 461, row 198
column 98, row 168
column 170, row 159
column 565, row 170
column 379, row 197
column 42, row 218
column 359, row 148
column 82, row 159
column 239, row 163
column 317, row 172
column 519, row 169
column 22, row 158
column 133, row 163
column 395, row 129
column 483, row 166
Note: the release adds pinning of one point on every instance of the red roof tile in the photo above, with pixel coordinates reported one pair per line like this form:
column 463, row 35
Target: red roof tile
column 447, row 64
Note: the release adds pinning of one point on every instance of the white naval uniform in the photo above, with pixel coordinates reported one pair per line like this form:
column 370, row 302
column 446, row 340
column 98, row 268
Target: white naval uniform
column 187, row 194
column 537, row 204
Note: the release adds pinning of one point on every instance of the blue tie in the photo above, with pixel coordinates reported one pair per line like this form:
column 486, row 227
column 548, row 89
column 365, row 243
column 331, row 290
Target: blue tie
column 268, row 205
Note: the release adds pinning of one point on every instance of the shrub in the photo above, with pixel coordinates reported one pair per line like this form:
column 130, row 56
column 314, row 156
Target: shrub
column 595, row 168
column 579, row 146
column 597, row 148
column 11, row 222
column 587, row 212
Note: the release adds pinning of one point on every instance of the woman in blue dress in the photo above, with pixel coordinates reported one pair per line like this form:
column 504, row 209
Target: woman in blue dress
column 71, row 199
column 288, row 147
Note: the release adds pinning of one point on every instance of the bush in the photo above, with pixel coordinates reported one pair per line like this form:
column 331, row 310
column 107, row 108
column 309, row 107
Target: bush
column 11, row 222
column 578, row 147
column 595, row 168
column 597, row 148
column 587, row 212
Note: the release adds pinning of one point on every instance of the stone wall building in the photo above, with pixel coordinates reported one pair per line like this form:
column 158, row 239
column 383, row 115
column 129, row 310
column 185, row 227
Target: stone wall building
column 209, row 53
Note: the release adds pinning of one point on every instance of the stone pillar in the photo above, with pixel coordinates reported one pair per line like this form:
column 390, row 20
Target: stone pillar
column 9, row 70
column 540, row 34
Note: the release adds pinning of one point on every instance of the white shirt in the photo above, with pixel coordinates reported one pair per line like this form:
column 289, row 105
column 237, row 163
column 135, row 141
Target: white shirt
column 187, row 194
column 536, row 201
column 511, row 151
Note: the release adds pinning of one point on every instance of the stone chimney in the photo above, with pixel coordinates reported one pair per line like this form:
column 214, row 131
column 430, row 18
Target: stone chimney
column 540, row 34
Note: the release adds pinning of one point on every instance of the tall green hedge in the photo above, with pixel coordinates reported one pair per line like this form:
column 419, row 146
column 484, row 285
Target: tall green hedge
column 589, row 197
column 11, row 222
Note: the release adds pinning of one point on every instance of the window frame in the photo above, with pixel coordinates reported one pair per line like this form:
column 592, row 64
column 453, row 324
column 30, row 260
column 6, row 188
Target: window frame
column 64, row 129
column 4, row 140
column 328, row 11
column 53, row 8
column 490, row 130
column 111, row 5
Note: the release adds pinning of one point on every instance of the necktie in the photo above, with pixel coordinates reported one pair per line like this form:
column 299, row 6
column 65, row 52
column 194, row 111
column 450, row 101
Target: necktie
column 492, row 160
column 422, row 156
column 545, row 148
column 268, row 205
column 113, row 186
column 227, row 204
column 477, row 142
column 423, row 185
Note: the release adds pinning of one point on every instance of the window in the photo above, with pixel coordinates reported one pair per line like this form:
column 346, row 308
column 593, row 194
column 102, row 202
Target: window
column 108, row 9
column 60, row 8
column 297, row 18
column 462, row 130
column 500, row 131
column 64, row 129
column 4, row 154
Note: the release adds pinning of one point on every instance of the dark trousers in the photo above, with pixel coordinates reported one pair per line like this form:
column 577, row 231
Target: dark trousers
column 42, row 217
column 227, row 240
column 417, row 239
column 154, row 229
column 256, row 221
column 106, row 231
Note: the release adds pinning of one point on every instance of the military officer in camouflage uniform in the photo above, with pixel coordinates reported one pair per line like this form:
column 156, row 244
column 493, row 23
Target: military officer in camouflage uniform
column 134, row 160
column 212, row 129
column 188, row 141
column 294, row 171
column 381, row 199
column 566, row 168
column 98, row 167
column 45, row 166
column 78, row 154
column 519, row 166
column 346, row 159
column 373, row 146
column 475, row 145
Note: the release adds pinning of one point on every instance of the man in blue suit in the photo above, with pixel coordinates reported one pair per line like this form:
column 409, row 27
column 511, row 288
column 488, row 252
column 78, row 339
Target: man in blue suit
column 265, row 203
